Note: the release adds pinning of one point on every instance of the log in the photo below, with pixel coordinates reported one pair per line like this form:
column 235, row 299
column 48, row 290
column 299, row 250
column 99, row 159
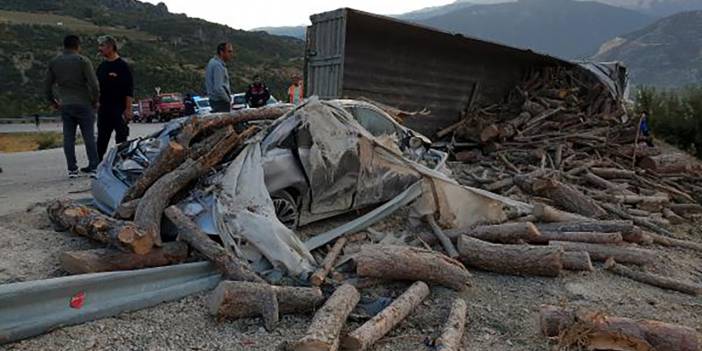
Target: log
column 673, row 217
column 547, row 213
column 599, row 252
column 168, row 160
column 158, row 196
column 506, row 233
column 109, row 260
column 577, row 261
column 637, row 199
column 229, row 299
column 231, row 267
column 443, row 239
column 410, row 263
column 667, row 163
column 565, row 196
column 511, row 259
column 500, row 184
column 668, row 241
column 323, row 332
column 126, row 210
column 490, row 133
column 374, row 329
column 452, row 333
column 245, row 299
column 583, row 237
column 318, row 277
column 612, row 173
column 604, row 183
column 596, row 331
column 69, row 215
column 630, row 232
column 685, row 209
column 653, row 279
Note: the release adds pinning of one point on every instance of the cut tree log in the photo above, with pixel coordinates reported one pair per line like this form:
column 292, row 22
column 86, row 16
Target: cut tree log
column 673, row 217
column 452, row 333
column 126, row 210
column 630, row 232
column 612, row 173
column 410, row 263
column 490, row 133
column 439, row 233
column 168, row 160
column 232, row 267
column 158, row 196
column 318, row 277
column 685, row 209
column 637, row 199
column 653, row 279
column 563, row 195
column 511, row 259
column 69, row 215
column 323, row 333
column 604, row 183
column 245, row 299
column 547, row 213
column 668, row 241
column 583, row 237
column 599, row 252
column 374, row 329
column 233, row 299
column 577, row 261
column 506, row 233
column 667, row 163
column 596, row 331
column 109, row 260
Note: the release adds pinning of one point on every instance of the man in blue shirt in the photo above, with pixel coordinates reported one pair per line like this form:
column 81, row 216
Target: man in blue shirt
column 217, row 79
column 645, row 129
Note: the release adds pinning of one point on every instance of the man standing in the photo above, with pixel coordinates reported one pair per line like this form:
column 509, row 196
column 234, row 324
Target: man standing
column 116, row 93
column 217, row 79
column 645, row 130
column 295, row 92
column 257, row 94
column 77, row 93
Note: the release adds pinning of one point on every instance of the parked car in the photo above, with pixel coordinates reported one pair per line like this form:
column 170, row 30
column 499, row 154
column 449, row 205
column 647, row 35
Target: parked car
column 202, row 105
column 239, row 101
column 283, row 157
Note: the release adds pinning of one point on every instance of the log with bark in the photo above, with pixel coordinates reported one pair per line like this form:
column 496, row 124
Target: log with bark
column 564, row 196
column 452, row 333
column 232, row 267
column 410, row 263
column 613, row 173
column 668, row 241
column 577, row 261
column 630, row 232
column 245, row 299
column 599, row 252
column 596, row 331
column 506, row 233
column 441, row 236
column 69, row 215
column 374, row 329
column 158, row 196
column 667, row 163
column 318, row 277
column 323, row 332
column 583, row 237
column 653, row 279
column 549, row 214
column 109, row 260
column 510, row 259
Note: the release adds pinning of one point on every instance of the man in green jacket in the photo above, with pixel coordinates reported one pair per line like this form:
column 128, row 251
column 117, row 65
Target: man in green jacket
column 72, row 88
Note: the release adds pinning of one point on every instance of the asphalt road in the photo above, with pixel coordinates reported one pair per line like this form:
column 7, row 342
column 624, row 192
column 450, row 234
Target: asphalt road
column 136, row 129
column 30, row 177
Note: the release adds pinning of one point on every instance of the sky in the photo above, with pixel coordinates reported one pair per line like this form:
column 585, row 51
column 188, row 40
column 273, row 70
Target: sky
column 274, row 13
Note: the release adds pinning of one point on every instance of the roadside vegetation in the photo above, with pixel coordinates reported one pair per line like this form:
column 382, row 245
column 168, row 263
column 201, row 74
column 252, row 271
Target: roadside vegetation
column 32, row 141
column 675, row 115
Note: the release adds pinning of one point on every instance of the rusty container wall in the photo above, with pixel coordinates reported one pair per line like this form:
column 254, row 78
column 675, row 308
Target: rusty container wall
column 410, row 66
column 324, row 56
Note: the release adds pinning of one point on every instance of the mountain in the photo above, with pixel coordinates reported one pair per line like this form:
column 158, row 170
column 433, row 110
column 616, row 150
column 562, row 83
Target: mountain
column 565, row 28
column 667, row 53
column 165, row 50
column 658, row 8
column 289, row 31
column 434, row 11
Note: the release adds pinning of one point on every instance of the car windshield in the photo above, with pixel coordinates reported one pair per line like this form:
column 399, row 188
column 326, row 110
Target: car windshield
column 169, row 98
column 203, row 103
column 238, row 100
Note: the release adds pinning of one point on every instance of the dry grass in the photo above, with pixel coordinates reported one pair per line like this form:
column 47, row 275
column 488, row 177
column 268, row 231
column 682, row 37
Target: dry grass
column 19, row 142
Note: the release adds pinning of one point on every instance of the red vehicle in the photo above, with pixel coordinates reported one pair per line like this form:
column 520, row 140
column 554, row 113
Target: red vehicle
column 162, row 107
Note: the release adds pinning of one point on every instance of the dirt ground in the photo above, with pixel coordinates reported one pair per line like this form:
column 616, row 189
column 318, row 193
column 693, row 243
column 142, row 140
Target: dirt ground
column 501, row 309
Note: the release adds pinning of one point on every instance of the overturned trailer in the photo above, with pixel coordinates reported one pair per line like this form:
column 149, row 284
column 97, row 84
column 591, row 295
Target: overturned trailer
column 354, row 54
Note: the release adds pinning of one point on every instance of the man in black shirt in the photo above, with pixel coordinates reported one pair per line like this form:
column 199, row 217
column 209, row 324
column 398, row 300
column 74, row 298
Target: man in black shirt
column 257, row 94
column 116, row 92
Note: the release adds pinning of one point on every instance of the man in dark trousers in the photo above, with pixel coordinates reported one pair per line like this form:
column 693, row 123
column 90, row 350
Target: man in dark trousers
column 257, row 94
column 217, row 79
column 116, row 93
column 72, row 88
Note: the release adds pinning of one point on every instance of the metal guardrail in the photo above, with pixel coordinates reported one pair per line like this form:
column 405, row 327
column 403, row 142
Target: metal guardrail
column 36, row 307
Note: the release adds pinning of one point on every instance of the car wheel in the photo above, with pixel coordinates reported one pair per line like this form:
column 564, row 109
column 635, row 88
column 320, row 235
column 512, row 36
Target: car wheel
column 285, row 208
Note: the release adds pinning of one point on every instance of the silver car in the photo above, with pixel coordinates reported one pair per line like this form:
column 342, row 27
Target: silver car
column 284, row 174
